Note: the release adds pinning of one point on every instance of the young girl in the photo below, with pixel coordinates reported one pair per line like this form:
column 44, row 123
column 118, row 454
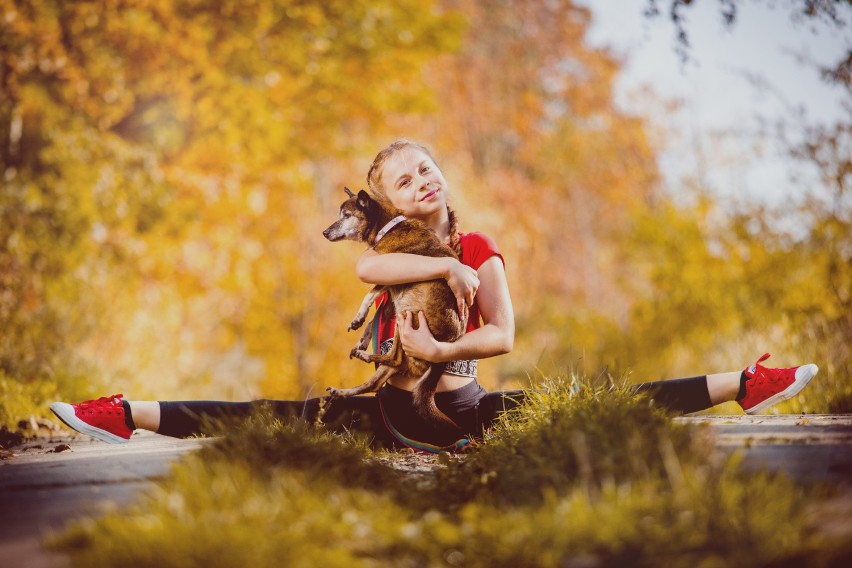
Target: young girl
column 406, row 173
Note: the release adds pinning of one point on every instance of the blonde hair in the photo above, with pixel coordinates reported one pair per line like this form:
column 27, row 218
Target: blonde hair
column 374, row 181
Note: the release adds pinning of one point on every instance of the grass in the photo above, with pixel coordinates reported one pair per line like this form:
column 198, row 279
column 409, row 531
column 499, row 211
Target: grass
column 581, row 475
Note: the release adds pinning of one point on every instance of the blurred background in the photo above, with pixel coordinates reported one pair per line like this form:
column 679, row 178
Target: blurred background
column 669, row 184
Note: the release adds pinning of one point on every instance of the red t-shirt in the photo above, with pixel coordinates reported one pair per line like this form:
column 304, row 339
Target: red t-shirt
column 476, row 249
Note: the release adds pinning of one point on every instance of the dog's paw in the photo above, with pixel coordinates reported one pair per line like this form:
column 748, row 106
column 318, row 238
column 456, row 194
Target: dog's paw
column 355, row 324
column 334, row 393
column 358, row 351
column 360, row 354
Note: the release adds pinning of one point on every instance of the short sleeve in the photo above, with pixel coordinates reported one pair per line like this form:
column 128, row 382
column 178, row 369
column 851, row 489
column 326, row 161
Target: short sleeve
column 477, row 248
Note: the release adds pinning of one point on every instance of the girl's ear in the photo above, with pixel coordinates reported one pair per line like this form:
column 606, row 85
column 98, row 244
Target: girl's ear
column 364, row 200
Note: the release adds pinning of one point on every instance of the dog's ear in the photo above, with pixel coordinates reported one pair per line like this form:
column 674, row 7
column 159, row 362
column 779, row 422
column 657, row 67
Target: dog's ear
column 364, row 200
column 348, row 191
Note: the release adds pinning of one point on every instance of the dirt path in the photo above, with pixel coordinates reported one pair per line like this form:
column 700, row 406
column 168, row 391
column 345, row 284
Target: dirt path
column 41, row 489
column 808, row 448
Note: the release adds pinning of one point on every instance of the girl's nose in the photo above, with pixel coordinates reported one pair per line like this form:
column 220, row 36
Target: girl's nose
column 423, row 182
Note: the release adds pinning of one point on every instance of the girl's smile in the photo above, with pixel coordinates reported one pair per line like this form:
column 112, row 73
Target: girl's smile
column 431, row 195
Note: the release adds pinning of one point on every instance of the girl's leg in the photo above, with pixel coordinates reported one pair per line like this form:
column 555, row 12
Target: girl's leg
column 493, row 405
column 755, row 389
column 352, row 414
column 680, row 395
column 694, row 393
column 724, row 387
column 181, row 419
column 145, row 413
column 112, row 419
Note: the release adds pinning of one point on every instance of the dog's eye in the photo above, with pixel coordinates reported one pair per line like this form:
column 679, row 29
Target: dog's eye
column 347, row 214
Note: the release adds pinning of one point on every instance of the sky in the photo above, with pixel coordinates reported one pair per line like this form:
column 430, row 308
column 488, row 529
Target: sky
column 713, row 137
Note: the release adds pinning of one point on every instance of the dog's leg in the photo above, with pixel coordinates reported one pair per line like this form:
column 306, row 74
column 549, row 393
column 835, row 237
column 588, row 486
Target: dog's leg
column 364, row 309
column 360, row 349
column 374, row 383
column 394, row 358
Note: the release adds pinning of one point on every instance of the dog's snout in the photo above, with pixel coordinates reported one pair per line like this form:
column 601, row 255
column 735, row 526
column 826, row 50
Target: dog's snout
column 332, row 234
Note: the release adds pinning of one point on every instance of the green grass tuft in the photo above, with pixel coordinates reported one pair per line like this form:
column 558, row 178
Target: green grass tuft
column 573, row 434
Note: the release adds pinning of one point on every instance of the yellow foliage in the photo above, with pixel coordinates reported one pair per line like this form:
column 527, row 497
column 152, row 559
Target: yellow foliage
column 168, row 167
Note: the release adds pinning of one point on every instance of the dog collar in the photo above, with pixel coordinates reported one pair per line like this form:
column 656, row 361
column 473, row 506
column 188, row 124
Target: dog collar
column 386, row 229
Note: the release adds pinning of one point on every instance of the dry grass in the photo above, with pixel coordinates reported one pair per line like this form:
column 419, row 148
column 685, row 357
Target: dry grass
column 581, row 475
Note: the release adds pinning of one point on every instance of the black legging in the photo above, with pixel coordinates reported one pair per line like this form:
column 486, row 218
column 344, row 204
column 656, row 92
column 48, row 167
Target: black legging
column 680, row 396
column 363, row 413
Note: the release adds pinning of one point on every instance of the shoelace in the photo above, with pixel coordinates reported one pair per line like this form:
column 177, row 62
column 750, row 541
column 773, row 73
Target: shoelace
column 111, row 401
column 763, row 375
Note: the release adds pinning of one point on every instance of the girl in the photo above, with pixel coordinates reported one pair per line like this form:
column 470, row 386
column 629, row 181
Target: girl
column 406, row 173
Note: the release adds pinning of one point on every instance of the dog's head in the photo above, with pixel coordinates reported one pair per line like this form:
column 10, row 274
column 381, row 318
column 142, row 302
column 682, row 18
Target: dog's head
column 353, row 221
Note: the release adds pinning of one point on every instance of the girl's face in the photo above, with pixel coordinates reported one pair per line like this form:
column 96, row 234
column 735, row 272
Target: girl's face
column 414, row 184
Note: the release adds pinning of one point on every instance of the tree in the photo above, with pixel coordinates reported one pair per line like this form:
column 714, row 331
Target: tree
column 159, row 156
column 540, row 154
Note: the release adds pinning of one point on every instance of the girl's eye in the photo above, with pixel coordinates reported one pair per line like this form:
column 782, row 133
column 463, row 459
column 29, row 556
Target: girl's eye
column 403, row 183
column 425, row 170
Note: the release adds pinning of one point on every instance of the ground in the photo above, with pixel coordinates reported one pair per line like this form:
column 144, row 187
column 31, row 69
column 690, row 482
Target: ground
column 56, row 477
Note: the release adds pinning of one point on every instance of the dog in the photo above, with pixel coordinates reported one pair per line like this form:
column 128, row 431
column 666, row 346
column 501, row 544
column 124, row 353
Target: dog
column 374, row 221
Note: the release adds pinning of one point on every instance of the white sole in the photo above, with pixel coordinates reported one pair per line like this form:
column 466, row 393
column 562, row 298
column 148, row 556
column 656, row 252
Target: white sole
column 65, row 412
column 804, row 374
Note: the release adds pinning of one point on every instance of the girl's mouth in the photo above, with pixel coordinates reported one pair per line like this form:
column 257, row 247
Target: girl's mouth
column 429, row 195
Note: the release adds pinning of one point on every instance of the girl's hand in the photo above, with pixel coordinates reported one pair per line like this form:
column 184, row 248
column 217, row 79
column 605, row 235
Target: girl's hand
column 464, row 283
column 418, row 343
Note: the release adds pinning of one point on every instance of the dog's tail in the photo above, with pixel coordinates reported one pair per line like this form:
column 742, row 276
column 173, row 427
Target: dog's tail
column 424, row 397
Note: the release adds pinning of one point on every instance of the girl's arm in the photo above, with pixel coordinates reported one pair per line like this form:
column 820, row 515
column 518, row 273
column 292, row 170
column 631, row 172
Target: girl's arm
column 401, row 268
column 495, row 337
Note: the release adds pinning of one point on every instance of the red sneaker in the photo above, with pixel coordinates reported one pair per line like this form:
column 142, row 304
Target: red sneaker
column 765, row 387
column 102, row 418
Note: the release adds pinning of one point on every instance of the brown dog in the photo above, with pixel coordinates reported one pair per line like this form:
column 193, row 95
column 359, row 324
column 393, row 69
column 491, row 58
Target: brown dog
column 376, row 222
